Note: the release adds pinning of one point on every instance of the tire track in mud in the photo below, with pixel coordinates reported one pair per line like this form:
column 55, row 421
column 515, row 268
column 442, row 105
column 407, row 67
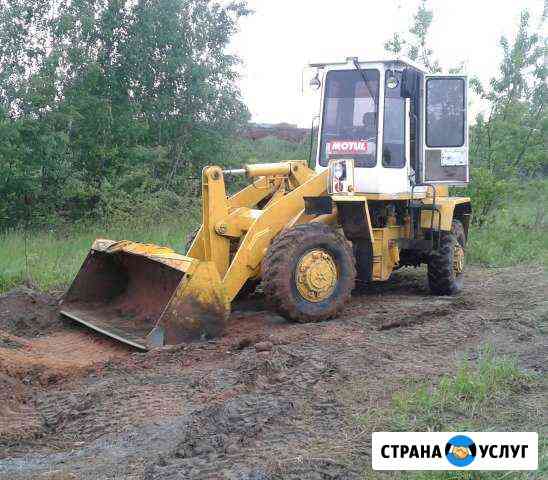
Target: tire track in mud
column 37, row 350
column 224, row 410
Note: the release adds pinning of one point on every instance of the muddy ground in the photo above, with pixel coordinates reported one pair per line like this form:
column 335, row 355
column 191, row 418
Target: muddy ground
column 75, row 405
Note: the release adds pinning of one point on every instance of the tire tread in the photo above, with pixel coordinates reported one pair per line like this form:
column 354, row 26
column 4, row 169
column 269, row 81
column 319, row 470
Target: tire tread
column 275, row 269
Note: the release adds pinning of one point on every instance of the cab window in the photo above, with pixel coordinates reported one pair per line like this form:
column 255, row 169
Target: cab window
column 393, row 148
column 445, row 112
column 350, row 117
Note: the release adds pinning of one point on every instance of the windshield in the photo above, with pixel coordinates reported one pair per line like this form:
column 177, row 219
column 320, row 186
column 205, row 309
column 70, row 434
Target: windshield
column 349, row 127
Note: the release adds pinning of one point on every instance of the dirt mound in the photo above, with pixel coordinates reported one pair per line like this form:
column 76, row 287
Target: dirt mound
column 38, row 350
column 47, row 360
column 313, row 469
column 18, row 417
column 216, row 432
column 270, row 400
column 38, row 347
column 27, row 313
column 11, row 390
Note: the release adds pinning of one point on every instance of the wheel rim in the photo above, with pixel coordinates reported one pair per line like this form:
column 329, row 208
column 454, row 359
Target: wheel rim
column 458, row 259
column 316, row 275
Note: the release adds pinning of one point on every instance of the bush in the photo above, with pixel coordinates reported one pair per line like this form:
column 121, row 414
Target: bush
column 514, row 231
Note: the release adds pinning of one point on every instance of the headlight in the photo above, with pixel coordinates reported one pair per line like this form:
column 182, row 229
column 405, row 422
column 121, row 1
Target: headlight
column 339, row 170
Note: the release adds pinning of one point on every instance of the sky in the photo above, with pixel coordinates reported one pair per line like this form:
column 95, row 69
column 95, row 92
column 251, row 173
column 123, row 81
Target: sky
column 283, row 36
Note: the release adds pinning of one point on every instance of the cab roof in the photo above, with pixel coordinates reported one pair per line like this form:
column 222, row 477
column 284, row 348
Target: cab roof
column 401, row 60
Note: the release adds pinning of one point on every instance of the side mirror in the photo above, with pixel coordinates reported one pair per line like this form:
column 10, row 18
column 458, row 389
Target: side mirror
column 369, row 119
column 315, row 82
column 410, row 81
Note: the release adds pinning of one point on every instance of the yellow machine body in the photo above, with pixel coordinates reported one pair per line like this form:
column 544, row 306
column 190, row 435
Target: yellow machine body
column 146, row 295
column 386, row 241
column 381, row 183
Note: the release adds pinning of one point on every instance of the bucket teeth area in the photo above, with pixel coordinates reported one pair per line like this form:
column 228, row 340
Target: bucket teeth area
column 143, row 295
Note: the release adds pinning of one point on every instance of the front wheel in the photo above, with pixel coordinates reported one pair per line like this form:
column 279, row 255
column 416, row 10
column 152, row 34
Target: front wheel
column 446, row 266
column 308, row 273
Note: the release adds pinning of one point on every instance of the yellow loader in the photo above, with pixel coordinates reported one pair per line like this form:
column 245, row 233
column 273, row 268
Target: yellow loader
column 372, row 198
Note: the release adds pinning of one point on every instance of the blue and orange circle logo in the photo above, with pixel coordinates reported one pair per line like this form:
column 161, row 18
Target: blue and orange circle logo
column 460, row 450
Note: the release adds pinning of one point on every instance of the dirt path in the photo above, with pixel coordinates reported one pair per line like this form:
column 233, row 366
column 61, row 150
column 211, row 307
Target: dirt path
column 76, row 405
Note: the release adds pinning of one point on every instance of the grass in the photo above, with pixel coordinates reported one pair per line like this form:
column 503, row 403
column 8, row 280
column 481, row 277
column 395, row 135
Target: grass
column 463, row 401
column 515, row 235
column 455, row 475
column 478, row 396
column 54, row 257
column 467, row 476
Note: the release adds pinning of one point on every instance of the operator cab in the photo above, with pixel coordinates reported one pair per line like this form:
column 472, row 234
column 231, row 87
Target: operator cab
column 388, row 127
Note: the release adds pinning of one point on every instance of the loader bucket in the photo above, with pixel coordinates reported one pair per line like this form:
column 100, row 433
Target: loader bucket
column 146, row 296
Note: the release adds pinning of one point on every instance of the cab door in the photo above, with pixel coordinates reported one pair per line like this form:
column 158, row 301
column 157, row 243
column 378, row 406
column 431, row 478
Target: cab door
column 445, row 127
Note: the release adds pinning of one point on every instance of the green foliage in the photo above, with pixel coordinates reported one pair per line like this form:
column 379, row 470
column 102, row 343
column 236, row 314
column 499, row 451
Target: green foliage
column 470, row 399
column 132, row 206
column 415, row 44
column 517, row 236
column 517, row 233
column 100, row 97
column 269, row 149
column 54, row 257
column 508, row 146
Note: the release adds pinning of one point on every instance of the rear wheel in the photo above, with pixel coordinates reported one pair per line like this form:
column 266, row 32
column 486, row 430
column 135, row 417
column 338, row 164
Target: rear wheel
column 308, row 273
column 446, row 266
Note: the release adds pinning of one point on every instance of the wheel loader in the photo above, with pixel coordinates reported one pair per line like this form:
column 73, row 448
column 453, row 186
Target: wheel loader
column 372, row 197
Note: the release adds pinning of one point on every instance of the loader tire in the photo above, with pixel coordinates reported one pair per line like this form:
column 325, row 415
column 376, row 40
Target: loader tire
column 445, row 267
column 308, row 273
